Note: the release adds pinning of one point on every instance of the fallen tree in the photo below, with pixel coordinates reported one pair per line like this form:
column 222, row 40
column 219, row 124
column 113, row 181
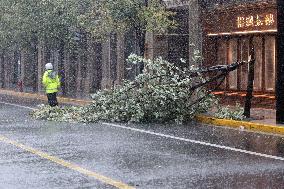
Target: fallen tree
column 164, row 92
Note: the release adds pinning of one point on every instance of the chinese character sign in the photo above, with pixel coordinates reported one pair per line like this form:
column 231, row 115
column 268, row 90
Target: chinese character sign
column 255, row 21
column 269, row 19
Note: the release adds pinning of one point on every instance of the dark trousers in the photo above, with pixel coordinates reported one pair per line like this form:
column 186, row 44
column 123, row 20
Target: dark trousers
column 52, row 100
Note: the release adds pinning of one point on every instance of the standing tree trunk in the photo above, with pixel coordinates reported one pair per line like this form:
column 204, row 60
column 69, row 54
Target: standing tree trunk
column 61, row 67
column 33, row 64
column 81, row 64
column 23, row 58
column 8, row 69
column 91, row 61
column 66, row 66
column 195, row 31
column 141, row 37
column 40, row 65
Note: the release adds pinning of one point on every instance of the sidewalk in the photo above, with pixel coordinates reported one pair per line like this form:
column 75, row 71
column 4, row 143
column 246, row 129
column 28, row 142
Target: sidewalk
column 38, row 96
column 262, row 112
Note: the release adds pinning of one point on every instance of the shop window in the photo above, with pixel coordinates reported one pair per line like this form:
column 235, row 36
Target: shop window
column 222, row 56
column 269, row 63
column 233, row 57
column 238, row 49
column 257, row 43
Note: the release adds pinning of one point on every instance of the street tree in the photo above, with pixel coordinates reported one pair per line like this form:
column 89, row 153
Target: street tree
column 110, row 16
column 163, row 93
column 68, row 24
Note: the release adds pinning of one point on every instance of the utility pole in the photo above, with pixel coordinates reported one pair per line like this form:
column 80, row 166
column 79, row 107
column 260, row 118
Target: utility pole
column 280, row 63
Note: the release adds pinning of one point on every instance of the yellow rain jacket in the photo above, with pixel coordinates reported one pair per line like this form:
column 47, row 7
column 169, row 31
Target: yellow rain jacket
column 50, row 81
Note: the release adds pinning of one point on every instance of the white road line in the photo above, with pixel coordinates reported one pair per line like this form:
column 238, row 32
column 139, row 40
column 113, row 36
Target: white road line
column 17, row 105
column 179, row 138
column 196, row 142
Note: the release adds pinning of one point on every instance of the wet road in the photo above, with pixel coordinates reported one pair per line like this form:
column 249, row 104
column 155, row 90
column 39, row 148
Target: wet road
column 42, row 154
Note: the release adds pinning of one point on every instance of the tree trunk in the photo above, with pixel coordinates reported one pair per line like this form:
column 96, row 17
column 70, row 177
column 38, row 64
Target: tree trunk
column 195, row 31
column 91, row 61
column 141, row 39
column 66, row 66
column 40, row 66
column 81, row 66
column 61, row 67
column 8, row 70
column 97, row 69
column 34, row 63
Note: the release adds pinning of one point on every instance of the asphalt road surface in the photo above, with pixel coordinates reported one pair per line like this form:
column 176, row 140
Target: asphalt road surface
column 42, row 154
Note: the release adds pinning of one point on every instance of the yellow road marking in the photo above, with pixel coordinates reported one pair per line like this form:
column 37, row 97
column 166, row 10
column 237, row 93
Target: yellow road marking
column 72, row 166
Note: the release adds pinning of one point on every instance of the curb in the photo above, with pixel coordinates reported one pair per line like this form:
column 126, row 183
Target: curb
column 241, row 124
column 200, row 118
column 44, row 98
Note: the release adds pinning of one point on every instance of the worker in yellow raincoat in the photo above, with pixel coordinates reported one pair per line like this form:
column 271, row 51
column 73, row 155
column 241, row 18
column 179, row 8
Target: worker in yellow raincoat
column 51, row 83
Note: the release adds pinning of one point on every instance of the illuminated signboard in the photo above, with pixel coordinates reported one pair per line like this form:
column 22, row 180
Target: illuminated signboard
column 255, row 20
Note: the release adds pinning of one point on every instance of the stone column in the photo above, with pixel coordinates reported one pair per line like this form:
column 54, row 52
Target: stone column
column 97, row 67
column 5, row 63
column 8, row 70
column 149, row 49
column 90, row 75
column 22, row 68
column 79, row 78
column 5, row 70
column 55, row 59
column 106, row 72
column 120, row 67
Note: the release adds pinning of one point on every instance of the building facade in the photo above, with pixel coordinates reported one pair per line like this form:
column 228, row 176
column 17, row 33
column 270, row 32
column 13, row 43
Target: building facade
column 229, row 34
column 223, row 31
column 86, row 68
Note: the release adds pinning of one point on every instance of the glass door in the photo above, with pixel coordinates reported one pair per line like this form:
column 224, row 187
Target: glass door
column 244, row 56
column 232, row 58
column 222, row 56
column 258, row 68
column 270, row 63
column 238, row 49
